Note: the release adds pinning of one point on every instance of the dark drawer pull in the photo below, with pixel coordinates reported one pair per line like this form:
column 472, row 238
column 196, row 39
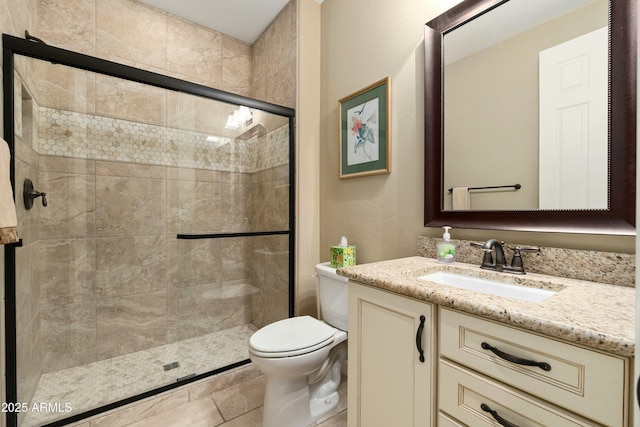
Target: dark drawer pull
column 514, row 359
column 497, row 417
column 419, row 338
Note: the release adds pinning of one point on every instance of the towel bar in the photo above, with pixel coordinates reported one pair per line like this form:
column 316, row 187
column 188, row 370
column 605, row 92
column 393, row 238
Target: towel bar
column 515, row 186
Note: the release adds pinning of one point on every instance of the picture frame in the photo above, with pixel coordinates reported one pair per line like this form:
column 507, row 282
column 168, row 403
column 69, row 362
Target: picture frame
column 364, row 131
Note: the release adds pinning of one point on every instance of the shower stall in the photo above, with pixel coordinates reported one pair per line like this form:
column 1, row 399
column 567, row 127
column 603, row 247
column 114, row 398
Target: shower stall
column 156, row 233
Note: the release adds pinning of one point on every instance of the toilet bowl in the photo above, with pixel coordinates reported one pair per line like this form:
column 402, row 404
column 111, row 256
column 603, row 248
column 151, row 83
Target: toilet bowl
column 302, row 357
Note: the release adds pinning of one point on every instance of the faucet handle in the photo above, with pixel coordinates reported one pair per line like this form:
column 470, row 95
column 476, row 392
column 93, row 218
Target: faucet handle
column 516, row 262
column 487, row 258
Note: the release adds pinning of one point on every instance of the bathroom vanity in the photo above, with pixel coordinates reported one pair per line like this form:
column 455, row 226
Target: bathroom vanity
column 423, row 353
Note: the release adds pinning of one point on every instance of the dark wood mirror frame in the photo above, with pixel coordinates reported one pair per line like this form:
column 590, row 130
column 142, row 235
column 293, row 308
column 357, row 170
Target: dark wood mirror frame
column 619, row 219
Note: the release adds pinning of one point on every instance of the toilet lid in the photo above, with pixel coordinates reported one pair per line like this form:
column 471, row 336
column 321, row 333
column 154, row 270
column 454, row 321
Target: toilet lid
column 293, row 336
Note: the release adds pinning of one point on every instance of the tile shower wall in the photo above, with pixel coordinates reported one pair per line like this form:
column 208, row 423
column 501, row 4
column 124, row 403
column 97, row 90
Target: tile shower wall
column 274, row 60
column 114, row 279
column 135, row 34
column 128, row 32
column 74, row 134
column 28, row 303
column 102, row 273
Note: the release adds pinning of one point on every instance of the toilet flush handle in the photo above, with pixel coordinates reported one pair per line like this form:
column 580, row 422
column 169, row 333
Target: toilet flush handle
column 317, row 279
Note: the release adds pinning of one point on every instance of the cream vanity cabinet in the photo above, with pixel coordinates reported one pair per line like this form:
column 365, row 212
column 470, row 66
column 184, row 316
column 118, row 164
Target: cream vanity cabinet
column 392, row 359
column 482, row 372
column 491, row 374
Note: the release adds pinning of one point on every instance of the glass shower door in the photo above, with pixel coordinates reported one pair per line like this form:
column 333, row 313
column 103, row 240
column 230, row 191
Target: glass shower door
column 164, row 244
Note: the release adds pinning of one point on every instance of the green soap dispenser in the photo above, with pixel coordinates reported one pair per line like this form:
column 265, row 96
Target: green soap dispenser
column 446, row 251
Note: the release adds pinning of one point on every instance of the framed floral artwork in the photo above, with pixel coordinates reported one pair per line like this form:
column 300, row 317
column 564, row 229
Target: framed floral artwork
column 365, row 147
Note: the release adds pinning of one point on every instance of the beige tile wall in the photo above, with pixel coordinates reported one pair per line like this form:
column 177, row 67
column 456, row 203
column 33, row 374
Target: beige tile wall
column 113, row 277
column 22, row 16
column 28, row 288
column 274, row 60
column 54, row 291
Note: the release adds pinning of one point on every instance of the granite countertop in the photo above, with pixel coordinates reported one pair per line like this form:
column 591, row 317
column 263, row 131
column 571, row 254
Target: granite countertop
column 592, row 314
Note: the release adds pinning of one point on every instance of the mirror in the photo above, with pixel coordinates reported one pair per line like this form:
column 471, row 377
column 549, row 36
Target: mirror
column 502, row 84
column 473, row 139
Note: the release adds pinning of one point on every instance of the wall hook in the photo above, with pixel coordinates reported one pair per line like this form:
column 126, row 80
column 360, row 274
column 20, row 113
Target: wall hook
column 28, row 194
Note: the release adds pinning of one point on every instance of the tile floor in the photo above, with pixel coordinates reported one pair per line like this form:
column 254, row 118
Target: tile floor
column 231, row 399
column 96, row 384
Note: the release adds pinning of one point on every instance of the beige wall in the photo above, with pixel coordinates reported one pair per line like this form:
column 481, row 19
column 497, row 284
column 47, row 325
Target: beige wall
column 361, row 44
column 382, row 214
column 308, row 153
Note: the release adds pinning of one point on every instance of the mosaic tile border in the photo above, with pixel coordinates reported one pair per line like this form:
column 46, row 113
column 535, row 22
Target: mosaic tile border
column 80, row 135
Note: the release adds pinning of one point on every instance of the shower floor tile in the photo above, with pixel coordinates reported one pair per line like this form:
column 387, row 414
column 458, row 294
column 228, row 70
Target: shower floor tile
column 96, row 384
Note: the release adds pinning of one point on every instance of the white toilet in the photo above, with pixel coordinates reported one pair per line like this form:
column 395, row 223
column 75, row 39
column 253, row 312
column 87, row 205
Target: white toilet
column 302, row 357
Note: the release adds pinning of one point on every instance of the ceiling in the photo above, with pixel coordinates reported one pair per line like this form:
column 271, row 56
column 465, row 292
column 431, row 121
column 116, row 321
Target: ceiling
column 242, row 19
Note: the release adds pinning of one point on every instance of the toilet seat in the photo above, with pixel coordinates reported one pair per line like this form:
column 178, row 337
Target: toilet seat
column 291, row 337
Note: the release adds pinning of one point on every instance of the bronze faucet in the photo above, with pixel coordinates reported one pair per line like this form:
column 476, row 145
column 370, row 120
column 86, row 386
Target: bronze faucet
column 500, row 264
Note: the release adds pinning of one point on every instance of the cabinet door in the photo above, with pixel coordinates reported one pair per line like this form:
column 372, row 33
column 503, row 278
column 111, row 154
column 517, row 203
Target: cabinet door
column 389, row 384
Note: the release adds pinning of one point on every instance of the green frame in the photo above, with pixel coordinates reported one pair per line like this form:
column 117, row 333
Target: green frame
column 364, row 129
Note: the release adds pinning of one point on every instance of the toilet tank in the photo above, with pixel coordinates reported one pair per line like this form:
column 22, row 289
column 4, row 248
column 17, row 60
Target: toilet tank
column 333, row 296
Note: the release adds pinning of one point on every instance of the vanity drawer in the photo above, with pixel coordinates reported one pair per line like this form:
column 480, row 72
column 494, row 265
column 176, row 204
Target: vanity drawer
column 463, row 393
column 587, row 382
column 445, row 420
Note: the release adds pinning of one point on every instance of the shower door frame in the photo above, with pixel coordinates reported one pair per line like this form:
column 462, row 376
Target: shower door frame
column 12, row 46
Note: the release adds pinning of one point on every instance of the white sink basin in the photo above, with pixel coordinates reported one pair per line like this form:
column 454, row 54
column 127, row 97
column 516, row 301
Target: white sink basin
column 484, row 286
